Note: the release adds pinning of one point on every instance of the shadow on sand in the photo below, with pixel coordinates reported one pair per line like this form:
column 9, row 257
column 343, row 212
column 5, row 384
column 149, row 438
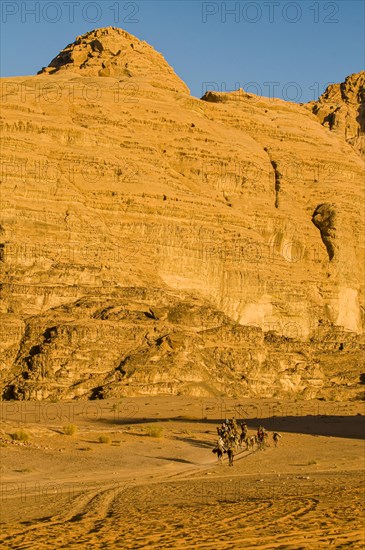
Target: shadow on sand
column 352, row 427
column 180, row 460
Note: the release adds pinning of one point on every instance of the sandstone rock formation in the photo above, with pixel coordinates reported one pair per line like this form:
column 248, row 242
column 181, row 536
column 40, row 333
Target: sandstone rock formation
column 342, row 109
column 114, row 52
column 152, row 242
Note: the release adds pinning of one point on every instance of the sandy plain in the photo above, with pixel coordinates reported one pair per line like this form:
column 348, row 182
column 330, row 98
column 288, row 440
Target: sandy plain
column 139, row 491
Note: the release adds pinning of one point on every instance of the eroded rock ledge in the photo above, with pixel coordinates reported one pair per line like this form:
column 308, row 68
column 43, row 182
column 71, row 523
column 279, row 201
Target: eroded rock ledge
column 145, row 342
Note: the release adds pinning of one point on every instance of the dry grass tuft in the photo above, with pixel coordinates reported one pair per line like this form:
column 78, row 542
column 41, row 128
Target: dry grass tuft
column 20, row 435
column 154, row 431
column 70, row 429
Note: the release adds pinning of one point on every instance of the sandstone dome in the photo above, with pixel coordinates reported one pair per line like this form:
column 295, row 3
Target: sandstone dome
column 114, row 52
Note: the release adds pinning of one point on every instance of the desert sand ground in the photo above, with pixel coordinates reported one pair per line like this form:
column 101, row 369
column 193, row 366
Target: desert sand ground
column 139, row 491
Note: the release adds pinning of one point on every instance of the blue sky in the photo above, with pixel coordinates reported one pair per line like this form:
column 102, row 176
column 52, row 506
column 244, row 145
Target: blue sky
column 270, row 47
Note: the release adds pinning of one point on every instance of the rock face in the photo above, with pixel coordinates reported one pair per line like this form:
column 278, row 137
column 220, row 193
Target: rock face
column 140, row 341
column 151, row 242
column 342, row 109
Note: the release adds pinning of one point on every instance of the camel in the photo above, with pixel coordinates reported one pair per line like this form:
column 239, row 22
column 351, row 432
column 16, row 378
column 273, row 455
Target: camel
column 252, row 441
column 219, row 450
column 219, row 454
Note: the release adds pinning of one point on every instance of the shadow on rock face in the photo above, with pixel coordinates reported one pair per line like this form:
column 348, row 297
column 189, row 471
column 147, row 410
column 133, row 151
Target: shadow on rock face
column 324, row 218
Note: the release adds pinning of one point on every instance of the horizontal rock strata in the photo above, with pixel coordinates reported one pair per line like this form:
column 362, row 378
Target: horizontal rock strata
column 152, row 242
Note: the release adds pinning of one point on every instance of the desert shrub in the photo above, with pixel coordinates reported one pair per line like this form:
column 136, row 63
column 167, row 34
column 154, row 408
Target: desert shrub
column 104, row 439
column 20, row 435
column 70, row 429
column 154, row 431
